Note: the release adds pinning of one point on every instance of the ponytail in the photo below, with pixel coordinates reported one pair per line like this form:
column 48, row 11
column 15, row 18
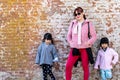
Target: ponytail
column 84, row 16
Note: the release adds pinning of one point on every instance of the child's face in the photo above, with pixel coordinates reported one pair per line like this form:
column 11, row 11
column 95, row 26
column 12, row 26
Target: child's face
column 104, row 45
column 47, row 41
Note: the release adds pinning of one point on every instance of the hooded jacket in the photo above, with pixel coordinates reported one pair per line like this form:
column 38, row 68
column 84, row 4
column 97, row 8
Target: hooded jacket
column 105, row 58
column 73, row 38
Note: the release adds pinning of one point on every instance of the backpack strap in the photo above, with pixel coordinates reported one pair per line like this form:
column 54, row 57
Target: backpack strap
column 72, row 24
column 89, row 36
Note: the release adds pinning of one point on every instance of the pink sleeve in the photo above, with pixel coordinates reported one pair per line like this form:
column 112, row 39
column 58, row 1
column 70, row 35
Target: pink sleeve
column 69, row 34
column 97, row 62
column 115, row 59
column 92, row 33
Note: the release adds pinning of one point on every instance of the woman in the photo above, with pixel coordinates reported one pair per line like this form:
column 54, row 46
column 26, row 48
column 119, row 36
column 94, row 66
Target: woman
column 79, row 41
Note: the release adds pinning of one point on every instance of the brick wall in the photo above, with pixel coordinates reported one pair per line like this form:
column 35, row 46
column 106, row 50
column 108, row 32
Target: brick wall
column 24, row 22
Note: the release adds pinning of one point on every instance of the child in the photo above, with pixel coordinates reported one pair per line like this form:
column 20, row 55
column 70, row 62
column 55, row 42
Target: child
column 106, row 58
column 46, row 55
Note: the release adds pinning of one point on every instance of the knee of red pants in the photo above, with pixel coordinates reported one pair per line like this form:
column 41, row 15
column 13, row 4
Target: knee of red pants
column 69, row 66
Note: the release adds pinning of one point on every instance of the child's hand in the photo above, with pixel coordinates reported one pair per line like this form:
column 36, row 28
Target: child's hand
column 112, row 64
column 95, row 70
column 56, row 65
column 118, row 62
column 56, row 59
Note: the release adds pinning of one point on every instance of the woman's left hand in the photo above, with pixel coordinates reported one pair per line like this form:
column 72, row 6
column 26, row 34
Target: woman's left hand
column 88, row 44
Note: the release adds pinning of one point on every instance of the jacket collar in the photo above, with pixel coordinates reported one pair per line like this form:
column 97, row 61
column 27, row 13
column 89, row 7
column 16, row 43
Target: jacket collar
column 85, row 21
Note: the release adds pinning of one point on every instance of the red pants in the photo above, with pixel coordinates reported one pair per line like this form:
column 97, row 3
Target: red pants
column 72, row 59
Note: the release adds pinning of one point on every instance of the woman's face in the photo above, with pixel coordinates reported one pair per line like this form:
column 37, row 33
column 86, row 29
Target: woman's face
column 79, row 16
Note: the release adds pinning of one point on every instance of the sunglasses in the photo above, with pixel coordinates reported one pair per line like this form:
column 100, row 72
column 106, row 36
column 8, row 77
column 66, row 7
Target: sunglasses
column 77, row 14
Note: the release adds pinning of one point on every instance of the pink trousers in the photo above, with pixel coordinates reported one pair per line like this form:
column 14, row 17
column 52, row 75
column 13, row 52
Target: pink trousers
column 72, row 59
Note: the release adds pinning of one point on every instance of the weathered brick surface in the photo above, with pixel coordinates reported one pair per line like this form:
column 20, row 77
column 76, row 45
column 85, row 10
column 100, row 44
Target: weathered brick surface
column 24, row 22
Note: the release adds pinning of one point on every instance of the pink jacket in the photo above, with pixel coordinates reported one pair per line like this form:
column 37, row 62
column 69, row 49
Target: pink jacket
column 104, row 59
column 73, row 38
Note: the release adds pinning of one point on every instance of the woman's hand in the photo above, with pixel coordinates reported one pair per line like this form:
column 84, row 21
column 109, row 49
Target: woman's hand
column 87, row 43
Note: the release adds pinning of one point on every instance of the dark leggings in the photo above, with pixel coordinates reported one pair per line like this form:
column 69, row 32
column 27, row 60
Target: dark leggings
column 47, row 70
